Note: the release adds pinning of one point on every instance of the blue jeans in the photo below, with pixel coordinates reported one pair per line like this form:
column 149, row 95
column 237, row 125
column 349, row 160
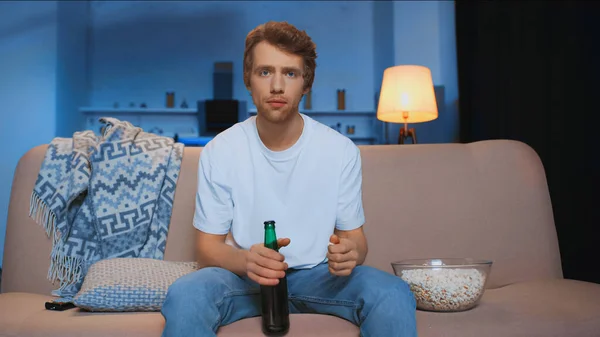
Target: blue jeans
column 381, row 304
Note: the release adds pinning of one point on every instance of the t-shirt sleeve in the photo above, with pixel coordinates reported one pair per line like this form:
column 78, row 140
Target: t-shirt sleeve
column 350, row 213
column 214, row 207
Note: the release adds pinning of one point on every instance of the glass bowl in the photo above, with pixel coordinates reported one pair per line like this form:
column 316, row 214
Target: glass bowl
column 445, row 284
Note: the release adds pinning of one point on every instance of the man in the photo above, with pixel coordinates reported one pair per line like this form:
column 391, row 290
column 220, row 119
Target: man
column 284, row 166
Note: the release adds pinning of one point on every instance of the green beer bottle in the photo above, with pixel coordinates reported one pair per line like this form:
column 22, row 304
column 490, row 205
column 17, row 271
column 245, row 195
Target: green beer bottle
column 275, row 311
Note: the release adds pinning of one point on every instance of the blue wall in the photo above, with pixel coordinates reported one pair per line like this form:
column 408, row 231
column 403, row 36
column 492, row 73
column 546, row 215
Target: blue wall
column 58, row 56
column 143, row 49
column 424, row 34
column 72, row 84
column 27, row 87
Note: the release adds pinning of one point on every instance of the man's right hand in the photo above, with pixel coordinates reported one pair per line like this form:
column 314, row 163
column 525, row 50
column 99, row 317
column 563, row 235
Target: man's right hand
column 264, row 265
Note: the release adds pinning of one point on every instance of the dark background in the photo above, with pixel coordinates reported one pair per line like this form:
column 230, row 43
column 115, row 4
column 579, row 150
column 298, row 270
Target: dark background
column 527, row 71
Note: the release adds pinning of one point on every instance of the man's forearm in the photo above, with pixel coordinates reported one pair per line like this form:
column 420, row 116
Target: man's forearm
column 220, row 254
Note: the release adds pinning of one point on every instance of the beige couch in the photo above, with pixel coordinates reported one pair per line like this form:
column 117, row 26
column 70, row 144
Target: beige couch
column 485, row 200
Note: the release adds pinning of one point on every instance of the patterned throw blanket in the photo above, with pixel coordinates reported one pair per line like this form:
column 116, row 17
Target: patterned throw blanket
column 103, row 197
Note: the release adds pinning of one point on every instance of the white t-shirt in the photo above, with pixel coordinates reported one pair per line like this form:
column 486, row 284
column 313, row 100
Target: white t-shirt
column 308, row 189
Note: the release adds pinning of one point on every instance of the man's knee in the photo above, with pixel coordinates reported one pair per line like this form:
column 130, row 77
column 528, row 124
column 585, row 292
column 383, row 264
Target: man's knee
column 195, row 285
column 401, row 292
column 385, row 287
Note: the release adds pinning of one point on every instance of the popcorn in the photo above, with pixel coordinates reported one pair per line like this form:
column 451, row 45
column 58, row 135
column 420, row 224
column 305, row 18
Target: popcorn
column 445, row 289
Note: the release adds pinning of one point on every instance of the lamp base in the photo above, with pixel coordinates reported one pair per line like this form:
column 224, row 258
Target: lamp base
column 407, row 133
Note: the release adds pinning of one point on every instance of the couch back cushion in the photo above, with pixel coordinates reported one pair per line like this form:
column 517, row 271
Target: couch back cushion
column 484, row 200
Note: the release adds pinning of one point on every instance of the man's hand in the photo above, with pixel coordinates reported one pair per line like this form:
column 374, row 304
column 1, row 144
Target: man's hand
column 342, row 255
column 264, row 265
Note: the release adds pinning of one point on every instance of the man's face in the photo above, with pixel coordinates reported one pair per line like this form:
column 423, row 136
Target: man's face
column 276, row 82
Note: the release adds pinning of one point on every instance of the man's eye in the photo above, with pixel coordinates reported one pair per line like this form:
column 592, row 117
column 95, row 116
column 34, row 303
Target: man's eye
column 291, row 74
column 264, row 73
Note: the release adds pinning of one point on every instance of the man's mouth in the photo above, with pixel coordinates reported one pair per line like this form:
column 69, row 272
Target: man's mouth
column 277, row 103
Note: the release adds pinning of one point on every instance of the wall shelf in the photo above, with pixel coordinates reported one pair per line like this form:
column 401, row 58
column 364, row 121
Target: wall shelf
column 137, row 111
column 365, row 121
column 329, row 113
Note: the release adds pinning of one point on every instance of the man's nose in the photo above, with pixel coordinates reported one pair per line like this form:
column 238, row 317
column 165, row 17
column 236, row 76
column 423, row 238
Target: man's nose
column 277, row 84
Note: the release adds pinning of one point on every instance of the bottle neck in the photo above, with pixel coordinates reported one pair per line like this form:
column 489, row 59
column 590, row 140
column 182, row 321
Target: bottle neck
column 271, row 238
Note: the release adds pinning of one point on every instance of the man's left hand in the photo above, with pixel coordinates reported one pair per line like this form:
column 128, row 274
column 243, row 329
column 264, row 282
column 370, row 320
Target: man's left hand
column 342, row 255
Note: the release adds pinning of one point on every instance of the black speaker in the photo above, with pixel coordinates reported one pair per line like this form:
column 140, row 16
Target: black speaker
column 217, row 115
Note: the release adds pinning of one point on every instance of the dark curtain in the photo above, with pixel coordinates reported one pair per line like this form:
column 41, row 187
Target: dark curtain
column 527, row 71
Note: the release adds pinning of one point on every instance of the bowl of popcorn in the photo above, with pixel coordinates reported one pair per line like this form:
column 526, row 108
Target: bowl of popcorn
column 445, row 284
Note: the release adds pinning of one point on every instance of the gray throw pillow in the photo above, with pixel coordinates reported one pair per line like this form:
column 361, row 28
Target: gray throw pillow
column 129, row 284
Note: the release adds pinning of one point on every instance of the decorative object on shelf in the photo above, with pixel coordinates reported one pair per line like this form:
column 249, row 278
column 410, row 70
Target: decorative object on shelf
column 341, row 99
column 143, row 105
column 337, row 127
column 170, row 99
column 308, row 100
column 131, row 105
column 407, row 96
column 350, row 129
column 116, row 105
column 184, row 104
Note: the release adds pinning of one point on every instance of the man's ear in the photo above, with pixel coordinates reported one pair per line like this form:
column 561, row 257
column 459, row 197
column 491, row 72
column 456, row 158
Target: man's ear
column 306, row 91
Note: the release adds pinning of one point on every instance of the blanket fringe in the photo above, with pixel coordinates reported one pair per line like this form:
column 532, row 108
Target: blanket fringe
column 66, row 269
column 41, row 213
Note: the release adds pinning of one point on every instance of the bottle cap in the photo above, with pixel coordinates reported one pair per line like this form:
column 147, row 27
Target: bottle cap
column 270, row 222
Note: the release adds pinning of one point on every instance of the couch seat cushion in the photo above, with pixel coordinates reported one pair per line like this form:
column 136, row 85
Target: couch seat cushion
column 553, row 308
column 545, row 308
column 24, row 315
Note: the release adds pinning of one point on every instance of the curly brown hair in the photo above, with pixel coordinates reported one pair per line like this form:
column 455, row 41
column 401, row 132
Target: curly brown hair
column 287, row 38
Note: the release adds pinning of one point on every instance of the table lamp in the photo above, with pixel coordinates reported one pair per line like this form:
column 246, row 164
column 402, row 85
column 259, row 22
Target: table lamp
column 407, row 96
